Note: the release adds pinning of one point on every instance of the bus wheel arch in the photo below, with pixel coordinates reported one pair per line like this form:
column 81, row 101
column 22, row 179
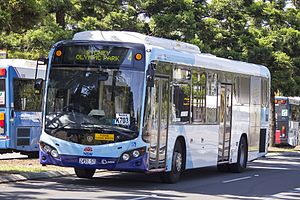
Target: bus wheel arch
column 183, row 145
column 242, row 159
column 177, row 163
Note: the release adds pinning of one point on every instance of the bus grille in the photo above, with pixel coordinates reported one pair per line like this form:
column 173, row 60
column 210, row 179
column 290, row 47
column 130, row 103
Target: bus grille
column 23, row 136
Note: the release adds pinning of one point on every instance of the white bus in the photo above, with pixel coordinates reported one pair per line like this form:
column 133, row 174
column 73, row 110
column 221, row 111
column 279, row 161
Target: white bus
column 130, row 102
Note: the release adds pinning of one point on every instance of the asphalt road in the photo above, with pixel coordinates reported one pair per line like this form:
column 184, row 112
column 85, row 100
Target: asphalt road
column 273, row 177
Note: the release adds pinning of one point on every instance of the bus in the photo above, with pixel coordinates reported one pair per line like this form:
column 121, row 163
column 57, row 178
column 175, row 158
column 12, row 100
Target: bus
column 287, row 111
column 20, row 107
column 125, row 101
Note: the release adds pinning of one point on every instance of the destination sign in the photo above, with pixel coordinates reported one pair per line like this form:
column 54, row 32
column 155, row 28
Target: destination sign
column 93, row 54
column 98, row 55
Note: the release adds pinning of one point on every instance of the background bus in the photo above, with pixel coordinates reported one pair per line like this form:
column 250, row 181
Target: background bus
column 20, row 107
column 131, row 102
column 287, row 111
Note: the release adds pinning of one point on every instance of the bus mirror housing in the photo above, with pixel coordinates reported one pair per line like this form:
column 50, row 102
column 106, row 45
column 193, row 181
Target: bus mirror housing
column 151, row 74
column 38, row 82
column 38, row 85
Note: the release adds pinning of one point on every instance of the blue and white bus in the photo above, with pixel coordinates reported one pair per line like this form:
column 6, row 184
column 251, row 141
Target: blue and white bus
column 130, row 102
column 20, row 107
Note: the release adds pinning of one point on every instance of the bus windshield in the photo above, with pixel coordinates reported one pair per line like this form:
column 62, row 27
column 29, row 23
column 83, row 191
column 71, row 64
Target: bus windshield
column 83, row 101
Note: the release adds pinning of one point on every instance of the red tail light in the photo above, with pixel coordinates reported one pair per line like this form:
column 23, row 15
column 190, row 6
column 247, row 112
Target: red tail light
column 2, row 123
column 283, row 102
column 2, row 72
column 283, row 131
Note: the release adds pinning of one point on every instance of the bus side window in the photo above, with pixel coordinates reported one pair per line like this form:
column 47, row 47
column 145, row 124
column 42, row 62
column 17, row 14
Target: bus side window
column 25, row 98
column 264, row 93
column 295, row 112
column 199, row 96
column 181, row 95
column 211, row 98
column 242, row 90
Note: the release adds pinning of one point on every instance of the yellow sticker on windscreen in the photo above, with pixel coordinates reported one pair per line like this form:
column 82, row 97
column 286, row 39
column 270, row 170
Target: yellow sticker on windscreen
column 104, row 137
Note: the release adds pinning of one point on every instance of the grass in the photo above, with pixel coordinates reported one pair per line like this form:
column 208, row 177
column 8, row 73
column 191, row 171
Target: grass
column 283, row 149
column 16, row 166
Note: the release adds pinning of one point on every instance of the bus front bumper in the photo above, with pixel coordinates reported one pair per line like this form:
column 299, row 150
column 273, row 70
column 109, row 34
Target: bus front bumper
column 136, row 164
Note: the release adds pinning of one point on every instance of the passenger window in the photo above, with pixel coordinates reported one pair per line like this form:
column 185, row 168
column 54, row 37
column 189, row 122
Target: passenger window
column 264, row 92
column 181, row 95
column 25, row 98
column 211, row 98
column 242, row 90
column 199, row 96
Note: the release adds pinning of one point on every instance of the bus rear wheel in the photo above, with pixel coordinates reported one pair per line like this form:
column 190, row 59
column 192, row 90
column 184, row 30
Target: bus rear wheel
column 84, row 173
column 177, row 165
column 241, row 163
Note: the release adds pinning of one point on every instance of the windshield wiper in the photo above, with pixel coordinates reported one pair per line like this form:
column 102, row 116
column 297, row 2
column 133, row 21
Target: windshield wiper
column 120, row 130
column 58, row 128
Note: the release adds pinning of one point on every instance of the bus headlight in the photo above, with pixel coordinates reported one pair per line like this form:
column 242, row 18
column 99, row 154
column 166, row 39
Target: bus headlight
column 132, row 154
column 54, row 153
column 135, row 153
column 125, row 157
column 49, row 150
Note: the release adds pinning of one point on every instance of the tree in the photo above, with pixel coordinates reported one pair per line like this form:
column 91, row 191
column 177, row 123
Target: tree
column 17, row 16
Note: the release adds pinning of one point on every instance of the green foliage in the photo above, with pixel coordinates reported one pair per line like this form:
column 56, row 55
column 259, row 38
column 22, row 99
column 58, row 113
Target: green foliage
column 19, row 15
column 263, row 31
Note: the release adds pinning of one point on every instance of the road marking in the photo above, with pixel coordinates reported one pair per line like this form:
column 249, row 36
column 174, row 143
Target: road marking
column 274, row 168
column 145, row 197
column 237, row 179
column 139, row 198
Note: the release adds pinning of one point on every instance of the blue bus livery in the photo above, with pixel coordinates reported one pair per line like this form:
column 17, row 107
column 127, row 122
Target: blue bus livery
column 131, row 102
column 20, row 107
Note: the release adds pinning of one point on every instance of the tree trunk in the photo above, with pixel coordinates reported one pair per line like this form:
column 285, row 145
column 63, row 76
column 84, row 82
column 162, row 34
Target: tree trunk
column 272, row 120
column 60, row 18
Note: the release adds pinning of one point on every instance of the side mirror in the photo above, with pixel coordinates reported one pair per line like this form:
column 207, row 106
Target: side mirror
column 38, row 85
column 42, row 61
column 38, row 82
column 151, row 74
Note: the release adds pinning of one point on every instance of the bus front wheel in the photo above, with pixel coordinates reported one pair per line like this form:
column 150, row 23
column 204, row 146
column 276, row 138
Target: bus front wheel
column 177, row 165
column 241, row 163
column 84, row 173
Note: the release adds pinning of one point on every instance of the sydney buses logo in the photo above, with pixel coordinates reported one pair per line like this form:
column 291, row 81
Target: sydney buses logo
column 88, row 151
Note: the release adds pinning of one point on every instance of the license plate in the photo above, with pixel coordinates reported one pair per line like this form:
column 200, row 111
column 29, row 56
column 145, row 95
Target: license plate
column 87, row 161
column 104, row 137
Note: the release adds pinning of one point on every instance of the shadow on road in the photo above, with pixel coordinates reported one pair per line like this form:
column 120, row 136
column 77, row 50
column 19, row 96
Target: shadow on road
column 271, row 177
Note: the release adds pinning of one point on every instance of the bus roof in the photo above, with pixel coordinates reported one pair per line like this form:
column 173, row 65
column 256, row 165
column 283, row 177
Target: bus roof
column 133, row 37
column 173, row 49
column 20, row 63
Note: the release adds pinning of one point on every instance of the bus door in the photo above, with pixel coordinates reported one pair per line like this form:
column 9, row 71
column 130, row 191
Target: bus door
column 25, row 116
column 158, row 120
column 225, row 123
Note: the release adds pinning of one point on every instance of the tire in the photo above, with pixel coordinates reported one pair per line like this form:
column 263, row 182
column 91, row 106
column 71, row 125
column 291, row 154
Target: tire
column 223, row 167
column 31, row 154
column 241, row 164
column 177, row 167
column 84, row 173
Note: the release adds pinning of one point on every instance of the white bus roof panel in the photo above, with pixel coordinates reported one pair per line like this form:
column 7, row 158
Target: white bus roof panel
column 20, row 63
column 133, row 37
column 217, row 63
column 166, row 47
column 24, row 68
